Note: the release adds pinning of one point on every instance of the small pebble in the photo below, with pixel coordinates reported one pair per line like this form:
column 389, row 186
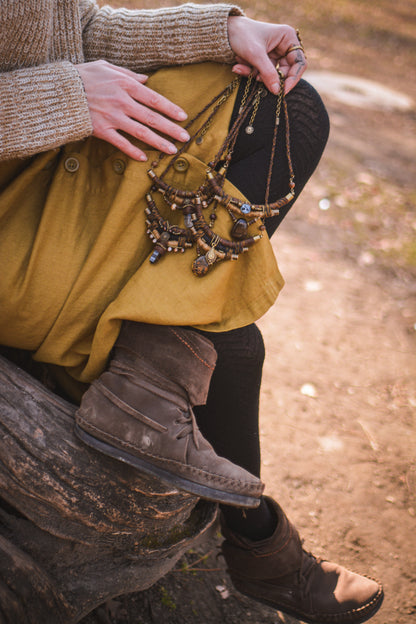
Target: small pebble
column 324, row 204
column 309, row 390
column 223, row 591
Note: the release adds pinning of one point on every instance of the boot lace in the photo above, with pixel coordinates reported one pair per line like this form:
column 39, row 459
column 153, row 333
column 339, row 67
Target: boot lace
column 187, row 419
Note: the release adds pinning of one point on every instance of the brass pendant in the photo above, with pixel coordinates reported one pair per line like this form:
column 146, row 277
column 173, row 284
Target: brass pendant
column 239, row 229
column 210, row 256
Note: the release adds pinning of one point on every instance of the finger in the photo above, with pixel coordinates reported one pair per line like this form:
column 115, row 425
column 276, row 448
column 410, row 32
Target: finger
column 268, row 73
column 142, row 78
column 245, row 70
column 150, row 118
column 297, row 65
column 146, row 135
column 123, row 144
column 158, row 102
column 241, row 69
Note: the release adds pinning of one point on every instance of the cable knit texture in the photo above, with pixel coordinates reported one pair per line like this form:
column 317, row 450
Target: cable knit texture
column 43, row 103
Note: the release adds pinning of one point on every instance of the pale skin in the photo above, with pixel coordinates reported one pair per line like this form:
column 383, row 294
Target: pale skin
column 118, row 98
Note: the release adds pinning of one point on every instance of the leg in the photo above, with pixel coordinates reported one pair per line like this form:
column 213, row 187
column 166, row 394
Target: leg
column 140, row 412
column 262, row 549
column 229, row 420
column 309, row 129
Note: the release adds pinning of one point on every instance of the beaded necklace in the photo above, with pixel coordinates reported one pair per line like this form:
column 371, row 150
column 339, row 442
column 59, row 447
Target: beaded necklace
column 197, row 230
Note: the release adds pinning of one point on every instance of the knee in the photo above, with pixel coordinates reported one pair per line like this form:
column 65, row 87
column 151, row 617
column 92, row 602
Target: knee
column 255, row 343
column 308, row 115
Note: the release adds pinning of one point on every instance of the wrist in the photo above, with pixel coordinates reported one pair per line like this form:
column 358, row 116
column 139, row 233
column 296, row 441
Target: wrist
column 235, row 27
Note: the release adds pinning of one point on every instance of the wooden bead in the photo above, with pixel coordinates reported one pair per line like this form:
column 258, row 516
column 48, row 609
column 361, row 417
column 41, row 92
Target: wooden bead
column 239, row 229
column 200, row 266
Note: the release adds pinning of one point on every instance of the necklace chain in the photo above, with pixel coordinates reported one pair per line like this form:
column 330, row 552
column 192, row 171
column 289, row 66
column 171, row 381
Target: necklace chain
column 212, row 248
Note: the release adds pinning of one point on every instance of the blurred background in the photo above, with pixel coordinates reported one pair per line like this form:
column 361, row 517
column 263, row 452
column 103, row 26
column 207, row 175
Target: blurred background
column 338, row 405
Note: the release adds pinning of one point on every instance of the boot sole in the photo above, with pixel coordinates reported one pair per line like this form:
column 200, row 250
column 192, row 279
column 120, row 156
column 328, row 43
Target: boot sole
column 180, row 483
column 350, row 617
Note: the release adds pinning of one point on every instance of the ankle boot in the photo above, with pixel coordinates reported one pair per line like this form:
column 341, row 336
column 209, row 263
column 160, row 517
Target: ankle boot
column 279, row 573
column 140, row 411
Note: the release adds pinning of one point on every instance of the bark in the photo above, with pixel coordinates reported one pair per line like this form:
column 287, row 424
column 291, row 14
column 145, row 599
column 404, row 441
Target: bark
column 76, row 527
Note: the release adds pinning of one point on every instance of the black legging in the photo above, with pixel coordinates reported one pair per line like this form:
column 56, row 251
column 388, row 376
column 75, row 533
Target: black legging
column 229, row 420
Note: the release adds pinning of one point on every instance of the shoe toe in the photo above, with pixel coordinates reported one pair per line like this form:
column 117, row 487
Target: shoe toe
column 349, row 596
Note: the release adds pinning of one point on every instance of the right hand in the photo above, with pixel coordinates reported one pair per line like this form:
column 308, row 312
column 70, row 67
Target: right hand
column 260, row 45
column 119, row 100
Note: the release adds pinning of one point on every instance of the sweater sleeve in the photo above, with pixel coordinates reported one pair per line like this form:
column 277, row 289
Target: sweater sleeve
column 143, row 40
column 42, row 108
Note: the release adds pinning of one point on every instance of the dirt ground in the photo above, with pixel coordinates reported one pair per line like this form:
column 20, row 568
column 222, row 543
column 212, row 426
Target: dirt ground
column 338, row 403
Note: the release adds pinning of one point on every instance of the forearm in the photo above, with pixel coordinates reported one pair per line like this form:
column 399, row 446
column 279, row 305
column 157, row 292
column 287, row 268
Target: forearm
column 144, row 40
column 41, row 108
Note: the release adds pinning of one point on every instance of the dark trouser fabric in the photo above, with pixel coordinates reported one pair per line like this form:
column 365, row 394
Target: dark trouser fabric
column 229, row 420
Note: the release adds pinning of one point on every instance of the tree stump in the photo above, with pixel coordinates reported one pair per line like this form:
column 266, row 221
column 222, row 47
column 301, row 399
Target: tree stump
column 76, row 527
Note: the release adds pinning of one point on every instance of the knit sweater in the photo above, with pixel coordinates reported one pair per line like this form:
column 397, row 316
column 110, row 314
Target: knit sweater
column 42, row 99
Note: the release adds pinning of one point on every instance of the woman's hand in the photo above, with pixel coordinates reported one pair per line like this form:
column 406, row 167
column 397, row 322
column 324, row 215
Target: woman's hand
column 119, row 100
column 260, row 46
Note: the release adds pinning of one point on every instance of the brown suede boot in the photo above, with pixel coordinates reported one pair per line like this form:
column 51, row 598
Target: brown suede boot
column 140, row 411
column 279, row 573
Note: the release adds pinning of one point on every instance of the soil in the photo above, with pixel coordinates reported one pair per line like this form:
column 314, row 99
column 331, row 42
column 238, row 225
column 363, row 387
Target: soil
column 338, row 404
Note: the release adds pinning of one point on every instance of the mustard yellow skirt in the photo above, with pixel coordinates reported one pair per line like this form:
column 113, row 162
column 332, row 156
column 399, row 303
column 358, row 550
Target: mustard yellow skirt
column 74, row 253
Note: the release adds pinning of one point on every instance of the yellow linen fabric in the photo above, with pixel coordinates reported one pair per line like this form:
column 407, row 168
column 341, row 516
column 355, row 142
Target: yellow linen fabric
column 74, row 249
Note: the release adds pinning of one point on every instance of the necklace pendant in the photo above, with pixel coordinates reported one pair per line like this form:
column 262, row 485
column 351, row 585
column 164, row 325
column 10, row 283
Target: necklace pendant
column 211, row 256
column 239, row 229
column 200, row 266
column 249, row 129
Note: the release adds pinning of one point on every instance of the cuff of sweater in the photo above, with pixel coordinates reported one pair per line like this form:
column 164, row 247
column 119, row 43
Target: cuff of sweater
column 42, row 108
column 213, row 35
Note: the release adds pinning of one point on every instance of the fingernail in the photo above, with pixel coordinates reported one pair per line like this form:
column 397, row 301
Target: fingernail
column 184, row 136
column 275, row 87
column 143, row 158
column 172, row 149
column 182, row 116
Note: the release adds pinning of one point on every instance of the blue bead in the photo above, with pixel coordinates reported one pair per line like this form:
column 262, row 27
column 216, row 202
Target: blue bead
column 245, row 208
column 154, row 257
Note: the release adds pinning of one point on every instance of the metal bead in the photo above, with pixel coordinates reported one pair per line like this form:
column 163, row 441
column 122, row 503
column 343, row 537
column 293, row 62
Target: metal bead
column 164, row 237
column 211, row 256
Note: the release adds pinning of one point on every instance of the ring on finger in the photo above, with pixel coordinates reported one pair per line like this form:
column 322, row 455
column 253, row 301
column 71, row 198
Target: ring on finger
column 294, row 47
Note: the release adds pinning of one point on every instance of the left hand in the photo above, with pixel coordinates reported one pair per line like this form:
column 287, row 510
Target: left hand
column 260, row 46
